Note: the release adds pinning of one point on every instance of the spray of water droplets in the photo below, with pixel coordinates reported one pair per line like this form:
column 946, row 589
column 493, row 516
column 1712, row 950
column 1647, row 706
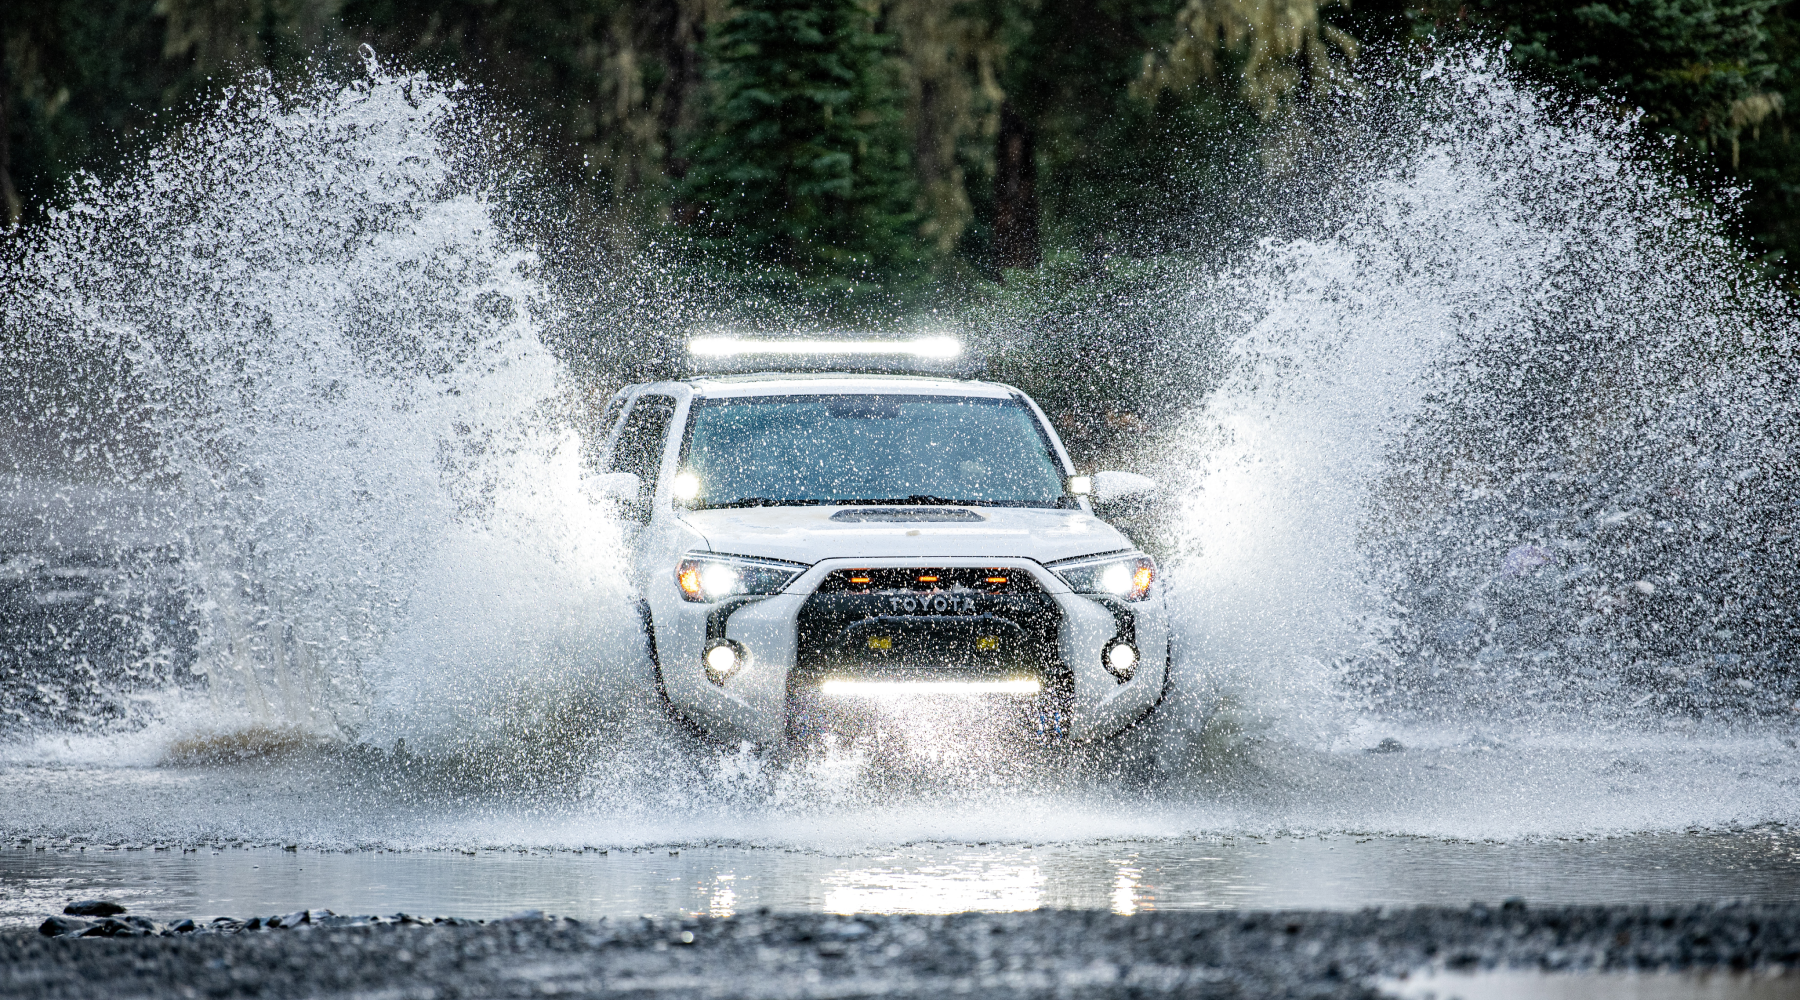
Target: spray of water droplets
column 1494, row 481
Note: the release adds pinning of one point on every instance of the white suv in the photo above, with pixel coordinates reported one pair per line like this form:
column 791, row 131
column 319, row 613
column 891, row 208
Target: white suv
column 810, row 548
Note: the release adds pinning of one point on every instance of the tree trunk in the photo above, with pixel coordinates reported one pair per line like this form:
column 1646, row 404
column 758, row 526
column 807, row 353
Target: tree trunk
column 10, row 208
column 676, row 28
column 1015, row 194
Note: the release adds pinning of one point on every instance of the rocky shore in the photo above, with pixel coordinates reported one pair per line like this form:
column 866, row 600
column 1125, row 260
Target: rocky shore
column 1043, row 953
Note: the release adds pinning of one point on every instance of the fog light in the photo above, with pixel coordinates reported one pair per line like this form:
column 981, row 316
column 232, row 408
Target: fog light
column 723, row 660
column 1121, row 660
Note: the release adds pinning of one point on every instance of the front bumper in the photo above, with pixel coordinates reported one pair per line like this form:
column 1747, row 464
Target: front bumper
column 804, row 645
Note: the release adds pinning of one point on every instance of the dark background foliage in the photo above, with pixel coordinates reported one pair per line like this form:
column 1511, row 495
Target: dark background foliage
column 843, row 144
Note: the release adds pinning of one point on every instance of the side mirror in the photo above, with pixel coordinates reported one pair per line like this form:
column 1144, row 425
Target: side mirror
column 621, row 488
column 1127, row 501
column 1122, row 488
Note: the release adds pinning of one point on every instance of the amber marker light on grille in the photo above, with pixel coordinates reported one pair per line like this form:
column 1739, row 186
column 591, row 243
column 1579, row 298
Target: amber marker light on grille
column 859, row 579
column 905, row 689
column 996, row 579
column 928, row 579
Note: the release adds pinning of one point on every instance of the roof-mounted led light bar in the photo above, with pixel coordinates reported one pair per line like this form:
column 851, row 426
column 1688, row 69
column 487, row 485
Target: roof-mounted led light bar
column 938, row 348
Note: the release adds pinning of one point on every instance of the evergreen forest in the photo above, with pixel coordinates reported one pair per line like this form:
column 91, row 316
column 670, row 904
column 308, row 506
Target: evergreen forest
column 842, row 147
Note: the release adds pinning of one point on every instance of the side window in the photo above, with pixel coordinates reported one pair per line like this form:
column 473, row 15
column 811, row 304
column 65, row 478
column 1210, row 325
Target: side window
column 640, row 445
column 609, row 418
column 597, row 449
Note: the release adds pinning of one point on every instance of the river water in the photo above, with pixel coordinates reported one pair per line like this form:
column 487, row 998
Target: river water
column 1480, row 471
column 1122, row 876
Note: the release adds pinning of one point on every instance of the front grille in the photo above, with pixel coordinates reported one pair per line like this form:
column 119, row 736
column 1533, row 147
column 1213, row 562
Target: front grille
column 960, row 580
column 927, row 625
column 928, row 622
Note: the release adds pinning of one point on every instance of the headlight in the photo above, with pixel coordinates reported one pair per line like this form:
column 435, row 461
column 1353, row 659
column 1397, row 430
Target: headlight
column 704, row 579
column 1127, row 577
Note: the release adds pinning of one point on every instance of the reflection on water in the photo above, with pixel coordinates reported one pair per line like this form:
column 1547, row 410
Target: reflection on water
column 1124, row 877
column 1531, row 984
column 957, row 885
column 1126, row 887
column 723, row 902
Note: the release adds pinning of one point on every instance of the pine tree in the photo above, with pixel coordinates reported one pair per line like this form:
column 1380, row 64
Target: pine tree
column 805, row 165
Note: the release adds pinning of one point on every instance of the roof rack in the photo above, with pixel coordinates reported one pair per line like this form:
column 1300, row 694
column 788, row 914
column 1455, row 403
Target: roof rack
column 846, row 353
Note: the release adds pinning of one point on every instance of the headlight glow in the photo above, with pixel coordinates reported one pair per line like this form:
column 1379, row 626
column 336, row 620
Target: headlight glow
column 1127, row 577
column 718, row 578
column 1116, row 579
column 685, row 487
column 706, row 578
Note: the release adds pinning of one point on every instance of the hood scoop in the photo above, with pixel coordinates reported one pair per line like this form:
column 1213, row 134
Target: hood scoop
column 907, row 515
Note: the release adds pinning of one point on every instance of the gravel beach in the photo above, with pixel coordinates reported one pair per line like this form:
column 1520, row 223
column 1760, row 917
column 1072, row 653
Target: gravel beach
column 1057, row 953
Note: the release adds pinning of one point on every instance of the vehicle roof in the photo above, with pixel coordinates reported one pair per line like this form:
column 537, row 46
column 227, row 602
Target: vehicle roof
column 802, row 383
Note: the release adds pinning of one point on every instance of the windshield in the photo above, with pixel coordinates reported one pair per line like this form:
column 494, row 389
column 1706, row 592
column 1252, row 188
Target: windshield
column 867, row 448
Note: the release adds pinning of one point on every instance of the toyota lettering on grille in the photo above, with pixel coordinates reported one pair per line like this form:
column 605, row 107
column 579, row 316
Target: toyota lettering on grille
column 936, row 604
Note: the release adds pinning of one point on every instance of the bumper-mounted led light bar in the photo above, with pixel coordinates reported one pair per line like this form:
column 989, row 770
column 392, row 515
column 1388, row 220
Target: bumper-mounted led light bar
column 904, row 689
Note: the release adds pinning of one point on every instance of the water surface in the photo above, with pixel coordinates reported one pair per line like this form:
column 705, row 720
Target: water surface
column 1122, row 876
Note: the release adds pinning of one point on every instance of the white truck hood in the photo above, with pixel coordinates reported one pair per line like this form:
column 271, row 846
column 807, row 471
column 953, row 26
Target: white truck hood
column 809, row 534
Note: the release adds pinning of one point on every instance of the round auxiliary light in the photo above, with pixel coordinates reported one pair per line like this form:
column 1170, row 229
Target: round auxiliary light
column 722, row 661
column 1122, row 659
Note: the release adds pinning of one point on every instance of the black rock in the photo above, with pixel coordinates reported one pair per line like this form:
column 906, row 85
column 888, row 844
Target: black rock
column 1389, row 745
column 121, row 927
column 93, row 908
column 63, row 926
column 182, row 926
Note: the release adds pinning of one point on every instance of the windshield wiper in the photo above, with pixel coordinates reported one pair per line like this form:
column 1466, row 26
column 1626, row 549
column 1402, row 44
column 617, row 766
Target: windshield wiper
column 915, row 499
column 756, row 502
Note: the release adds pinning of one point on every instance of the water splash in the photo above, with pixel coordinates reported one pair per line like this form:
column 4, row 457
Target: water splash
column 326, row 384
column 328, row 356
column 1512, row 435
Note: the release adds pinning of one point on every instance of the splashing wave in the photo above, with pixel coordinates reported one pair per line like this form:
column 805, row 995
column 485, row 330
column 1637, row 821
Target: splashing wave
column 1495, row 486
